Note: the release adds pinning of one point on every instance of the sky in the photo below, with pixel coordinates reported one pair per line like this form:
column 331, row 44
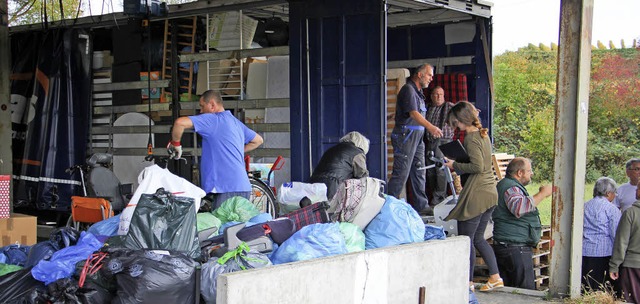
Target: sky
column 516, row 23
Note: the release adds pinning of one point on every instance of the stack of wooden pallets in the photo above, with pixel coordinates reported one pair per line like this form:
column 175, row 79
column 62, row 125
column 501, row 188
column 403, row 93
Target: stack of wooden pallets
column 541, row 260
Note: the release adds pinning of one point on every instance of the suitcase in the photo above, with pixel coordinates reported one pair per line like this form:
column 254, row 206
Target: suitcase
column 279, row 230
column 312, row 214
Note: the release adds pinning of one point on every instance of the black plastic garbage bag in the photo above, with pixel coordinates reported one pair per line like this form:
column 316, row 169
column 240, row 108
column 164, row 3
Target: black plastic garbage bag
column 66, row 291
column 93, row 271
column 59, row 238
column 64, row 237
column 16, row 285
column 40, row 251
column 164, row 221
column 153, row 276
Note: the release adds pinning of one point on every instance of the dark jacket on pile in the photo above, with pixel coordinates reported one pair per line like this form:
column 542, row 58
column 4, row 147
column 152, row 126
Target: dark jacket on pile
column 341, row 162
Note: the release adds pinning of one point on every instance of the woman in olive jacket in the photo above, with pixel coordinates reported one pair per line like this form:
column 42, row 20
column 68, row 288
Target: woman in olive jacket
column 479, row 195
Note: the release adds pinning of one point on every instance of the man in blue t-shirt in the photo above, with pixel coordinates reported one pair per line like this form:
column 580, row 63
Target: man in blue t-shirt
column 224, row 141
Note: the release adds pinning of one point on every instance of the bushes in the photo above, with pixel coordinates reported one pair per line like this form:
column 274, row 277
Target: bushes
column 524, row 117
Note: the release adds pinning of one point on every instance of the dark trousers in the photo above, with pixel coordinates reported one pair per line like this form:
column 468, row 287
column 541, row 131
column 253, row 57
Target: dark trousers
column 474, row 229
column 630, row 283
column 595, row 274
column 408, row 155
column 516, row 265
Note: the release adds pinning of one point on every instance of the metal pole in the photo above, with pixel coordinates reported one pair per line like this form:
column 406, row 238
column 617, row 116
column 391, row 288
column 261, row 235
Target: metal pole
column 6, row 154
column 574, row 64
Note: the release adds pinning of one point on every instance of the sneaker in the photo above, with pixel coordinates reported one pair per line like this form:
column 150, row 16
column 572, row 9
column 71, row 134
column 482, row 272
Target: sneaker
column 489, row 286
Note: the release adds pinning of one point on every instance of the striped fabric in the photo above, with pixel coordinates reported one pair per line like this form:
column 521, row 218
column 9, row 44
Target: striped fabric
column 454, row 85
column 312, row 214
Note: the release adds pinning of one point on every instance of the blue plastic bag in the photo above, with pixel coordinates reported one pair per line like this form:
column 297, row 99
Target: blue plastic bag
column 14, row 254
column 108, row 227
column 472, row 298
column 259, row 219
column 434, row 233
column 312, row 241
column 63, row 262
column 397, row 223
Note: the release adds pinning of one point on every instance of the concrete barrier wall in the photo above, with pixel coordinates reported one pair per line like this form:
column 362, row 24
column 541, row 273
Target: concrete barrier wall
column 385, row 275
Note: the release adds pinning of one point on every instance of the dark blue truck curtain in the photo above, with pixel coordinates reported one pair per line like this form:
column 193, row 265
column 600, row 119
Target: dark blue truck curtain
column 51, row 99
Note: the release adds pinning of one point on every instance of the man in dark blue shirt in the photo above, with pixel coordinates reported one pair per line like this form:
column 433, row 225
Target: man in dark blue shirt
column 406, row 137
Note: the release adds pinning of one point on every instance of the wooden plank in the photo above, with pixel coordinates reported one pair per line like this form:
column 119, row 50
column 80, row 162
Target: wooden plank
column 500, row 163
column 235, row 54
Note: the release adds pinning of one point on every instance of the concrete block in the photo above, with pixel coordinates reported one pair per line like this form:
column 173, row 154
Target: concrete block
column 383, row 275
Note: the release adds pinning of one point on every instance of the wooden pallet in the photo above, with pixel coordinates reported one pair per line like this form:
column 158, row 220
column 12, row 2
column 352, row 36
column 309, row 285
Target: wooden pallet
column 541, row 262
column 500, row 163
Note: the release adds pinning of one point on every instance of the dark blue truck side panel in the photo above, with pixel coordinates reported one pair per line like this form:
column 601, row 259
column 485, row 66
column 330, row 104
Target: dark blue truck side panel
column 345, row 70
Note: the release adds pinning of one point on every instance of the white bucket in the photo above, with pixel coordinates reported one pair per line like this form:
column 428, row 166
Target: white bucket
column 98, row 60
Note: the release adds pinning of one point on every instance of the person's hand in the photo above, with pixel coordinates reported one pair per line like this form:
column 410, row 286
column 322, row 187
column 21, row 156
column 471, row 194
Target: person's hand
column 174, row 148
column 613, row 275
column 435, row 131
column 545, row 190
column 448, row 163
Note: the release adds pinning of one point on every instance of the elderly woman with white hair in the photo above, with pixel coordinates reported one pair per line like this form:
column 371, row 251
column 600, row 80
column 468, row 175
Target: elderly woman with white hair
column 601, row 218
column 343, row 161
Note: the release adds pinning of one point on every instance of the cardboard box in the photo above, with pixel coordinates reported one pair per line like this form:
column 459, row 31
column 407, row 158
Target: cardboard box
column 19, row 228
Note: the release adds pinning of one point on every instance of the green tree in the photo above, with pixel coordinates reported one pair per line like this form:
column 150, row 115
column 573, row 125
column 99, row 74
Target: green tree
column 32, row 11
column 524, row 114
column 538, row 141
column 525, row 84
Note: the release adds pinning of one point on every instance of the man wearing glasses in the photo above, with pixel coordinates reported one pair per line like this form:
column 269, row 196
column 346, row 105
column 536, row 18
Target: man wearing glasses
column 516, row 225
column 626, row 193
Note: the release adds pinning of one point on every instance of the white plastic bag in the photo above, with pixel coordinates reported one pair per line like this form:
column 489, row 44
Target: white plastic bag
column 291, row 193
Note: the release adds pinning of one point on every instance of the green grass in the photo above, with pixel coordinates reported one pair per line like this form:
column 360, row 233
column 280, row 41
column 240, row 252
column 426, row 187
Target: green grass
column 545, row 206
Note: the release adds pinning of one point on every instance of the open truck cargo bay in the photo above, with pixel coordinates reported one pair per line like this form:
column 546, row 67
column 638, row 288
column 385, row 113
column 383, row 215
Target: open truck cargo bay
column 338, row 58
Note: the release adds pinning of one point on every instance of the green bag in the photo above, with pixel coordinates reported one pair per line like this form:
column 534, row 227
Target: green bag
column 8, row 268
column 236, row 209
column 353, row 236
column 206, row 220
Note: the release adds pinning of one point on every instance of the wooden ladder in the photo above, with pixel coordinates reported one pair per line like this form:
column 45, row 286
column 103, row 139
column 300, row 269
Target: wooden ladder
column 179, row 38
